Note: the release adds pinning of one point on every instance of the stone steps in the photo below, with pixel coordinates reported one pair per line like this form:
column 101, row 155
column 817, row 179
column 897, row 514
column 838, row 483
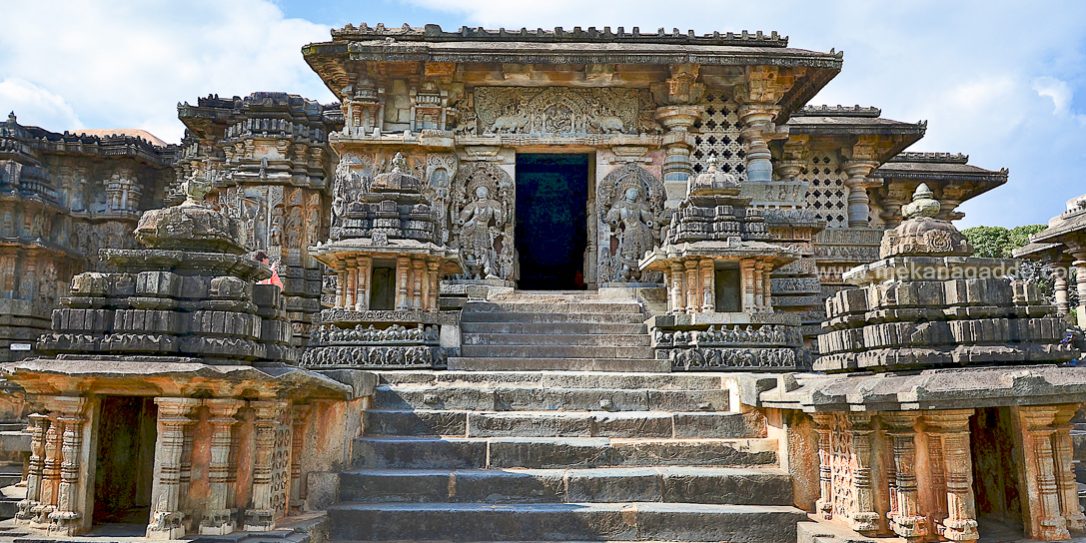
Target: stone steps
column 551, row 339
column 552, row 328
column 737, row 486
column 532, row 398
column 555, row 306
column 551, row 379
column 645, row 365
column 552, row 317
column 633, row 521
column 506, row 351
column 623, row 424
column 587, row 452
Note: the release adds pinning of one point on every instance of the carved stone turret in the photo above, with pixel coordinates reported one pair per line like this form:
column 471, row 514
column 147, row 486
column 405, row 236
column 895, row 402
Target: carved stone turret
column 717, row 267
column 389, row 266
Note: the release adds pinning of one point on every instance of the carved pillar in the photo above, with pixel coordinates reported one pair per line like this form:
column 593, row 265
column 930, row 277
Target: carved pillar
column 1080, row 278
column 38, row 424
column 434, row 281
column 1059, row 286
column 167, row 518
column 341, row 289
column 757, row 129
column 362, row 286
column 824, row 426
column 260, row 516
column 352, row 284
column 767, row 289
column 403, row 273
column 677, row 143
column 65, row 520
column 50, row 478
column 219, row 516
column 864, row 519
column 1044, row 513
column 746, row 269
column 299, row 418
column 759, row 285
column 424, row 293
column 951, row 427
column 907, row 520
column 708, row 290
column 693, row 298
column 859, row 203
column 678, row 296
column 1065, row 469
column 937, row 477
column 418, row 271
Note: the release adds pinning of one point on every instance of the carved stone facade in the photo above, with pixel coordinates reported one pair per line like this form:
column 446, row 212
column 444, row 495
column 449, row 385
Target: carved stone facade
column 62, row 198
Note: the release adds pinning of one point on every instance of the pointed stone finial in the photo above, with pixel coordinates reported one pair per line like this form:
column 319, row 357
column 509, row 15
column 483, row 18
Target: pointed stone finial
column 399, row 163
column 711, row 163
column 11, row 117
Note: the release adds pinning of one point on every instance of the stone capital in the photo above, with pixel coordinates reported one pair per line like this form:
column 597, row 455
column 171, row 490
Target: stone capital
column 948, row 421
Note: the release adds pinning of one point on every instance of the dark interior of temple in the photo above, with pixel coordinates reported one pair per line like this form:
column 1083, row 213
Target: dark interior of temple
column 552, row 234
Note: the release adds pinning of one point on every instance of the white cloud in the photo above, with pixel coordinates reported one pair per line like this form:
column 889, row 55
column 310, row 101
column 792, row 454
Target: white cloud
column 122, row 64
column 1058, row 91
column 35, row 105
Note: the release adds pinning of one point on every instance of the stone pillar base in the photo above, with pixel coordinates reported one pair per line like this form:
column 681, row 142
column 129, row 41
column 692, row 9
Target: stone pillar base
column 259, row 520
column 218, row 523
column 166, row 526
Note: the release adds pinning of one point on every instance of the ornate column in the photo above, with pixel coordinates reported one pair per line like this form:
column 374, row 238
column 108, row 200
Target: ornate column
column 708, row 289
column 341, row 289
column 907, row 520
column 759, row 285
column 678, row 142
column 260, row 516
column 1080, row 278
column 38, row 424
column 1065, row 469
column 167, row 518
column 1043, row 512
column 951, row 427
column 403, row 272
column 859, row 203
column 50, row 478
column 219, row 516
column 65, row 520
column 424, row 295
column 352, row 285
column 299, row 418
column 418, row 270
column 435, row 284
column 824, row 426
column 937, row 477
column 864, row 519
column 746, row 272
column 758, row 129
column 678, row 296
column 362, row 284
column 693, row 300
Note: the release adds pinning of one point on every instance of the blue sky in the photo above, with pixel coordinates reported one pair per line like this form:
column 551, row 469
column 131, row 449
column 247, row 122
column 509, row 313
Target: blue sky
column 1001, row 81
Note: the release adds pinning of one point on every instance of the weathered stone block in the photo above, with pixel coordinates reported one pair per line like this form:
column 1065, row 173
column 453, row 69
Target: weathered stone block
column 158, row 283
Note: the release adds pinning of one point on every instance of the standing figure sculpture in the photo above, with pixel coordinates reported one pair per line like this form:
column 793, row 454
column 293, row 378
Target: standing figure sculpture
column 481, row 223
column 632, row 222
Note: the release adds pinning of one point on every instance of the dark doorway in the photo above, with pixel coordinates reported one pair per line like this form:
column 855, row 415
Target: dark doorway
column 125, row 460
column 552, row 220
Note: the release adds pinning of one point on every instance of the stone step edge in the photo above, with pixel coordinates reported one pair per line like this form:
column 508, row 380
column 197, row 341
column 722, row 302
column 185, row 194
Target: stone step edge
column 756, row 470
column 513, row 508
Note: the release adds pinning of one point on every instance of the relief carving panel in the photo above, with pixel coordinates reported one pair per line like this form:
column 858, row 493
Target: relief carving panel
column 557, row 110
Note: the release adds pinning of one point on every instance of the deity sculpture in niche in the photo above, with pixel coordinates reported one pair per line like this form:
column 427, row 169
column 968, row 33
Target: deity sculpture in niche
column 481, row 204
column 440, row 169
column 630, row 202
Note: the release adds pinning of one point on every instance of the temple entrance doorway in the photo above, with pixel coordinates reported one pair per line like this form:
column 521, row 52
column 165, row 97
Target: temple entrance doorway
column 124, row 460
column 552, row 220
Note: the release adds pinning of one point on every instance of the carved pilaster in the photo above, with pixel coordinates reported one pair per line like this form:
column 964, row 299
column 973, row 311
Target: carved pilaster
column 260, row 516
column 299, row 419
column 50, row 479
column 38, row 424
column 219, row 516
column 864, row 519
column 1080, row 278
column 1065, row 469
column 403, row 274
column 174, row 422
column 859, row 203
column 678, row 297
column 758, row 129
column 906, row 521
column 951, row 427
column 678, row 143
column 708, row 290
column 693, row 300
column 1059, row 287
column 65, row 520
column 824, row 426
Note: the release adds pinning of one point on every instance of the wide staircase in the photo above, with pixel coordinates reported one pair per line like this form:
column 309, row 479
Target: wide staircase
column 490, row 456
column 554, row 331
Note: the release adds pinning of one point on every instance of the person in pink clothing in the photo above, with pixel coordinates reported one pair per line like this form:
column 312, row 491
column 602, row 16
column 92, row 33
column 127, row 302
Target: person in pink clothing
column 262, row 258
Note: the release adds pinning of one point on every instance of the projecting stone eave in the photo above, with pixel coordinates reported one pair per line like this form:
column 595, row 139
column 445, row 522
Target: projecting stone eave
column 170, row 376
column 843, row 124
column 943, row 388
column 776, row 255
column 1064, row 229
column 337, row 62
column 941, row 171
column 332, row 254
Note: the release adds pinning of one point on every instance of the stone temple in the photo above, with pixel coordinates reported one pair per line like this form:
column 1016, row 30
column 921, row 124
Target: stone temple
column 533, row 285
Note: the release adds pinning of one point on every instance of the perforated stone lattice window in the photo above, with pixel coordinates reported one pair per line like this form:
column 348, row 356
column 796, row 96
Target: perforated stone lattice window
column 827, row 194
column 718, row 134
